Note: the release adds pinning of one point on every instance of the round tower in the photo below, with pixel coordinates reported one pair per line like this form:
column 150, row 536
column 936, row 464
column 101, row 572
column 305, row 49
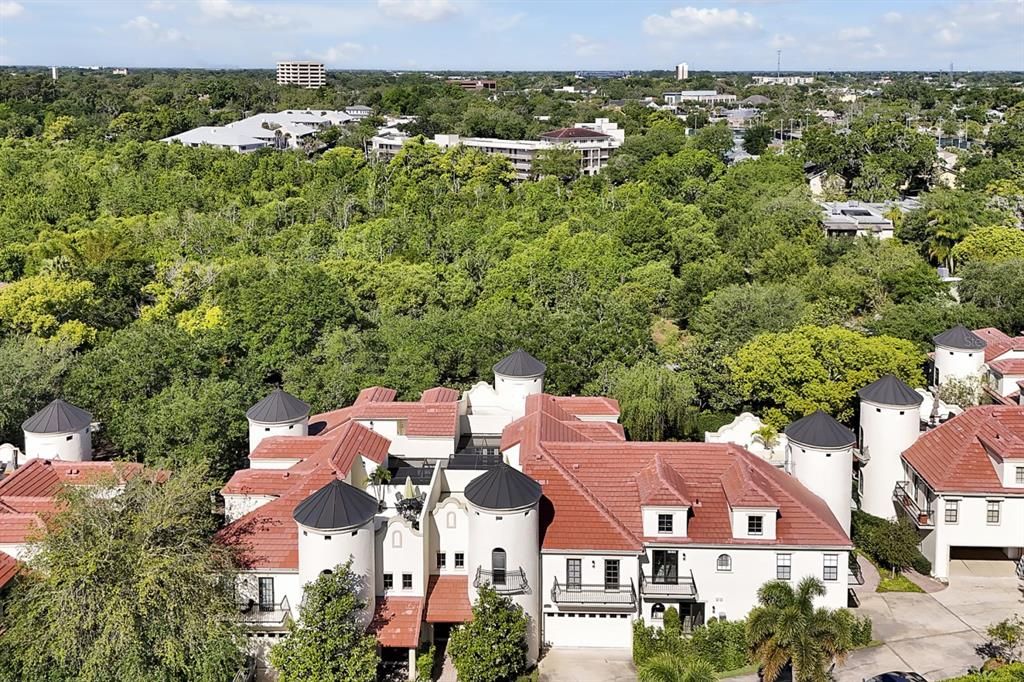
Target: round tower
column 504, row 541
column 518, row 375
column 890, row 422
column 820, row 453
column 336, row 525
column 59, row 431
column 279, row 414
column 959, row 354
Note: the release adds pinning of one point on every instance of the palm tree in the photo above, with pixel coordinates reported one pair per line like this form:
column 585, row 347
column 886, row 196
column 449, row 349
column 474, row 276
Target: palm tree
column 671, row 668
column 786, row 627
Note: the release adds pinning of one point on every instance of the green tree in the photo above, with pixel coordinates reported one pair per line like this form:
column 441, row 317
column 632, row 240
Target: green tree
column 329, row 642
column 128, row 586
column 991, row 244
column 492, row 647
column 562, row 162
column 997, row 289
column 790, row 374
column 785, row 627
column 655, row 399
column 33, row 376
column 716, row 139
column 756, row 139
column 668, row 667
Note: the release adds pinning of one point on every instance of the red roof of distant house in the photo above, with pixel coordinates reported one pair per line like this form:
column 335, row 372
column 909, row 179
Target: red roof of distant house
column 427, row 418
column 954, row 457
column 9, row 567
column 396, row 621
column 1008, row 366
column 439, row 394
column 574, row 134
column 448, row 599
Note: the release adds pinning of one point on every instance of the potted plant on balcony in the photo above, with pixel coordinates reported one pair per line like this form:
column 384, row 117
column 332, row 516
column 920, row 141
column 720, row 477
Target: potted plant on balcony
column 410, row 504
column 378, row 479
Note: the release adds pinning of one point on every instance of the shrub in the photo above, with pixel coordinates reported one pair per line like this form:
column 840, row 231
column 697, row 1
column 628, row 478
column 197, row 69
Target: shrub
column 425, row 664
column 1005, row 642
column 890, row 544
column 492, row 646
column 921, row 564
column 861, row 631
column 721, row 643
column 1008, row 673
column 670, row 623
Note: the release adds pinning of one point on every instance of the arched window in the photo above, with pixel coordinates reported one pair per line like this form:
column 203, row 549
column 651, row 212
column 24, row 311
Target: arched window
column 498, row 566
column 657, row 611
column 396, row 539
column 450, row 519
column 724, row 563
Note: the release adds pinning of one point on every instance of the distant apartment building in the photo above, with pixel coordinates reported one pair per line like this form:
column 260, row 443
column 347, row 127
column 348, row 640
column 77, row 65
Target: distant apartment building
column 682, row 71
column 475, row 84
column 783, row 80
column 283, row 130
column 358, row 111
column 595, row 141
column 120, row 72
column 303, row 74
column 700, row 96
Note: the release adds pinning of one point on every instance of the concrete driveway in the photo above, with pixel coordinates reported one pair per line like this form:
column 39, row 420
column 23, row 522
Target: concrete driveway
column 587, row 665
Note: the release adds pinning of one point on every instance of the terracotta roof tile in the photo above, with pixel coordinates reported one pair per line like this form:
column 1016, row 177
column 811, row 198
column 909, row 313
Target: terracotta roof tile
column 16, row 529
column 287, row 447
column 9, row 567
column 1008, row 366
column 376, row 394
column 448, row 599
column 953, row 456
column 396, row 621
column 422, row 419
column 659, row 484
column 439, row 394
column 589, row 406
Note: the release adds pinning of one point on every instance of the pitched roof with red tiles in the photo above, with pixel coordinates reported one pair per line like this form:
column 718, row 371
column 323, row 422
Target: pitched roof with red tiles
column 376, row 394
column 17, row 529
column 574, row 134
column 1008, row 366
column 589, row 406
column 424, row 418
column 448, row 599
column 659, row 484
column 396, row 621
column 997, row 342
column 287, row 447
column 439, row 394
column 955, row 456
column 9, row 567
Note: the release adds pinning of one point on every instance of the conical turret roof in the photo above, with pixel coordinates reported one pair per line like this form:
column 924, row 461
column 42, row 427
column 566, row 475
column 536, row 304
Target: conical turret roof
column 336, row 505
column 503, row 487
column 278, row 408
column 890, row 391
column 959, row 337
column 520, row 364
column 820, row 430
column 57, row 417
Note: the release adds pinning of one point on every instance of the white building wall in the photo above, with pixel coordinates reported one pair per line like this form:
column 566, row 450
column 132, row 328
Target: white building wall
column 237, row 506
column 886, row 431
column 828, row 474
column 650, row 520
column 417, row 447
column 740, row 517
column 286, row 585
column 67, row 447
column 274, row 463
column 317, row 553
column 973, row 530
column 258, row 430
column 449, row 533
column 403, row 552
column 953, row 363
column 514, row 390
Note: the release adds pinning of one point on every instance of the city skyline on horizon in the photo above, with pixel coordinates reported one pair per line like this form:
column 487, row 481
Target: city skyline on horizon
column 473, row 35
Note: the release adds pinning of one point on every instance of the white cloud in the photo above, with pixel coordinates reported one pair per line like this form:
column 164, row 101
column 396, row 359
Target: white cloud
column 151, row 30
column 10, row 9
column 584, row 46
column 160, row 6
column 694, row 21
column 500, row 24
column 418, row 10
column 780, row 40
column 892, row 17
column 855, row 34
column 340, row 53
column 948, row 35
column 240, row 11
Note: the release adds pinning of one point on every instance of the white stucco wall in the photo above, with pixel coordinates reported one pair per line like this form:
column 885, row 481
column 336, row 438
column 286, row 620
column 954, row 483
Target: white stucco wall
column 449, row 533
column 275, row 463
column 321, row 550
column 258, row 430
column 740, row 517
column 237, row 506
column 828, row 474
column 650, row 520
column 75, row 446
column 402, row 551
column 973, row 530
column 953, row 363
column 885, row 432
column 417, row 447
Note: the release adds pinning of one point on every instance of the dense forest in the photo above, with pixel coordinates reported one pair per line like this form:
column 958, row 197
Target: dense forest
column 165, row 288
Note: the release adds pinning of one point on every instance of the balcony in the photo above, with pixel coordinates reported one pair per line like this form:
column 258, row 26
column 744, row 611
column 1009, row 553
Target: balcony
column 681, row 587
column 856, row 575
column 903, row 495
column 503, row 582
column 862, row 455
column 254, row 614
column 593, row 595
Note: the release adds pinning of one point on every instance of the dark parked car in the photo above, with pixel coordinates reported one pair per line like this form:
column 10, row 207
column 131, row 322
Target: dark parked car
column 785, row 675
column 895, row 676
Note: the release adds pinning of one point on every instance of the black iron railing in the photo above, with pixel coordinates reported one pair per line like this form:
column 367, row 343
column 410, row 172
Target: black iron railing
column 682, row 586
column 903, row 495
column 504, row 582
column 579, row 594
column 251, row 612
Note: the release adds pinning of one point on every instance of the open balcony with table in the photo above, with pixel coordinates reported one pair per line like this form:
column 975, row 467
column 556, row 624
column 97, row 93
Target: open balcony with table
column 263, row 615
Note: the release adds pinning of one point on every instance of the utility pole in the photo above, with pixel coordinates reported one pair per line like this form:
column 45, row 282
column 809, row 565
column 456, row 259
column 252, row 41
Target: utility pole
column 778, row 63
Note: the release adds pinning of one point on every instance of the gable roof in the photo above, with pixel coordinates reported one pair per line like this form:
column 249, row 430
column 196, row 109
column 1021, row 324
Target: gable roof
column 519, row 364
column 278, row 407
column 335, row 506
column 375, row 394
column 820, row 430
column 588, row 406
column 890, row 391
column 959, row 337
column 396, row 621
column 57, row 417
column 660, row 484
column 574, row 134
column 439, row 394
column 954, row 457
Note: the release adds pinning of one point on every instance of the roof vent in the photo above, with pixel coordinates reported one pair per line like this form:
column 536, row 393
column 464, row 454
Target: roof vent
column 575, row 466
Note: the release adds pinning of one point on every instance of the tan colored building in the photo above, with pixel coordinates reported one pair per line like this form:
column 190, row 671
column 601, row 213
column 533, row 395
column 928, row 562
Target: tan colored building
column 308, row 75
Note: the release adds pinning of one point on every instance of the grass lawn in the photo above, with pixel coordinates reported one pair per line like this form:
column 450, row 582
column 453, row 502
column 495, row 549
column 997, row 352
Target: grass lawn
column 745, row 670
column 898, row 584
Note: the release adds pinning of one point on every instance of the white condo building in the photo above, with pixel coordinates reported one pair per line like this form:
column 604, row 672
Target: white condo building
column 287, row 129
column 699, row 96
column 308, row 75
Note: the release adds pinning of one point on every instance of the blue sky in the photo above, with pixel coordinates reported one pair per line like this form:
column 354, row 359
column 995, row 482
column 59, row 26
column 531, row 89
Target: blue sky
column 540, row 34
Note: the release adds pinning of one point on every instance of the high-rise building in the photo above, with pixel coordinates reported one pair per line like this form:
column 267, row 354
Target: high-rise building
column 682, row 71
column 303, row 74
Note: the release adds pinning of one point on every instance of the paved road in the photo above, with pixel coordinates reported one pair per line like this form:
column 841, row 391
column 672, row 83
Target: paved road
column 933, row 634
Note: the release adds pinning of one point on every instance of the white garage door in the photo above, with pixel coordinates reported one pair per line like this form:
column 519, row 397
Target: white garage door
column 588, row 629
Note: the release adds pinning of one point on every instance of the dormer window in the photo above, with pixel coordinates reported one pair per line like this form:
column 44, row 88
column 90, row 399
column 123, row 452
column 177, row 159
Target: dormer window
column 665, row 523
column 755, row 525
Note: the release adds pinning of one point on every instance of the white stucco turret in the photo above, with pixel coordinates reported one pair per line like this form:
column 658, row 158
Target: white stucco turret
column 279, row 414
column 336, row 524
column 59, row 431
column 517, row 376
column 959, row 354
column 820, row 454
column 504, row 541
column 890, row 422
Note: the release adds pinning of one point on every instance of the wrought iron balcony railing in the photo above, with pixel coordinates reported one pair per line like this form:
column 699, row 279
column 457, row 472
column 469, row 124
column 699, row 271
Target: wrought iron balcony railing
column 579, row 594
column 904, row 496
column 251, row 612
column 504, row 582
column 682, row 586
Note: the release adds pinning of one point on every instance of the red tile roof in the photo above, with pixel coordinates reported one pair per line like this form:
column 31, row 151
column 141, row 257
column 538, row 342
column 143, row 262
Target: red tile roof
column 997, row 343
column 448, row 599
column 439, row 394
column 396, row 621
column 421, row 419
column 587, row 406
column 659, row 484
column 8, row 569
column 1008, row 366
column 16, row 529
column 574, row 134
column 274, row 482
column 287, row 447
column 376, row 394
column 954, row 458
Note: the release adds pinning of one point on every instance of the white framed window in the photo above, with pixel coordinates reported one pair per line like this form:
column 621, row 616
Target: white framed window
column 657, row 611
column 724, row 563
column 783, row 566
column 442, row 560
column 407, row 581
column 830, row 569
column 755, row 525
column 992, row 512
column 952, row 511
column 460, row 560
